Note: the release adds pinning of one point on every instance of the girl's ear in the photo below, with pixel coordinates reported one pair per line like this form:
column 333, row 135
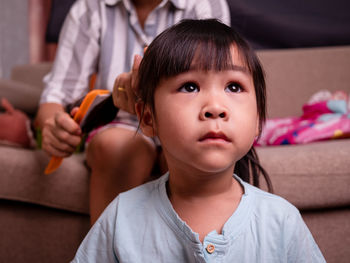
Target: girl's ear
column 146, row 119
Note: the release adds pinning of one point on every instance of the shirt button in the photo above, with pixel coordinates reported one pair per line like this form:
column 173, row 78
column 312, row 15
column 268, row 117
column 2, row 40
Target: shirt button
column 210, row 248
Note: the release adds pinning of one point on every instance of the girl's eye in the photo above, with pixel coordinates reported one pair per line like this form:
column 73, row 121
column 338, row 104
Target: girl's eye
column 234, row 87
column 189, row 87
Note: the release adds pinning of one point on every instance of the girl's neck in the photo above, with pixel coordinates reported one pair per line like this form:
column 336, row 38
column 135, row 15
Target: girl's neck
column 201, row 185
column 205, row 204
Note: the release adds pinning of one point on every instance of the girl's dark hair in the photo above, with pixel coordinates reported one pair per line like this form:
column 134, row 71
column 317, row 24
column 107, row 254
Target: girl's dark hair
column 209, row 42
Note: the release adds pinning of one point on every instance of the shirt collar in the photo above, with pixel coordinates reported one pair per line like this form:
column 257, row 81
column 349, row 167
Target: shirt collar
column 179, row 4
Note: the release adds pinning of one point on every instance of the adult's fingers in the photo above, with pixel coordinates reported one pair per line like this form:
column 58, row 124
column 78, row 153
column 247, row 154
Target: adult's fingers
column 74, row 111
column 60, row 135
column 65, row 122
column 119, row 94
column 54, row 145
column 65, row 141
column 131, row 100
column 123, row 95
column 135, row 72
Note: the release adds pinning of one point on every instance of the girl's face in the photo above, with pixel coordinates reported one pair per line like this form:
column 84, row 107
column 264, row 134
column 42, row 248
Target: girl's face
column 205, row 120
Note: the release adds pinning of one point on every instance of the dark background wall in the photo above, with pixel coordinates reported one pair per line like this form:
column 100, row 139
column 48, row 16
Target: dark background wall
column 269, row 24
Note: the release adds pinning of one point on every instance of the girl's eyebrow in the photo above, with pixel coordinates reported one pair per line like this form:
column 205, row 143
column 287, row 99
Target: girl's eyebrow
column 238, row 68
column 232, row 67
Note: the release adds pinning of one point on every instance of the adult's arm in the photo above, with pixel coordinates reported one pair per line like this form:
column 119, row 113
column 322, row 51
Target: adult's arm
column 77, row 54
column 68, row 81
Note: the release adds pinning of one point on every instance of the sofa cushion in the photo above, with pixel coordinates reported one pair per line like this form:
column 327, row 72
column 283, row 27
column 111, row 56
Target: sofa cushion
column 22, row 178
column 311, row 176
column 294, row 75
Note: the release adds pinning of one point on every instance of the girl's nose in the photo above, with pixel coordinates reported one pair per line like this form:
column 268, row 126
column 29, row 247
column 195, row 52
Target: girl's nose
column 214, row 112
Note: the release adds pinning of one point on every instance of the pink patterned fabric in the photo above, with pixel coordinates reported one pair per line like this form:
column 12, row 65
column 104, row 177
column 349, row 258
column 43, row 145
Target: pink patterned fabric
column 326, row 116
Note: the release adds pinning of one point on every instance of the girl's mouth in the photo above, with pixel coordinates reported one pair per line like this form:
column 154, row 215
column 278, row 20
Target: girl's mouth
column 214, row 136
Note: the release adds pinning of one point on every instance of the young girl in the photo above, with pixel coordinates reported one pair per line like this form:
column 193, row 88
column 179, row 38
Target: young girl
column 202, row 92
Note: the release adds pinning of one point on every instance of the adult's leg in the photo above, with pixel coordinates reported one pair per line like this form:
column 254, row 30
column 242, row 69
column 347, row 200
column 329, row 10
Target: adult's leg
column 119, row 160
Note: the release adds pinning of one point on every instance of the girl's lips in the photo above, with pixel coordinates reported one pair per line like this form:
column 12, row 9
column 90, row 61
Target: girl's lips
column 214, row 136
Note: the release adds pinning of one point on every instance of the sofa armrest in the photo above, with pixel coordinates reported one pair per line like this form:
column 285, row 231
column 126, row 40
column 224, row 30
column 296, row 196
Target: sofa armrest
column 22, row 96
column 31, row 74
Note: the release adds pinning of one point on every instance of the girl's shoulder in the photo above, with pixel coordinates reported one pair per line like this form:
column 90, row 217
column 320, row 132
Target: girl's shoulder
column 141, row 196
column 274, row 205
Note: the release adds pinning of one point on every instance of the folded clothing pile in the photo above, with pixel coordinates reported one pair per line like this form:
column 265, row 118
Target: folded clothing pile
column 325, row 116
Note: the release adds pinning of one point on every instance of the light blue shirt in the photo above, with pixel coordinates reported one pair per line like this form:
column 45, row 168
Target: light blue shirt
column 141, row 225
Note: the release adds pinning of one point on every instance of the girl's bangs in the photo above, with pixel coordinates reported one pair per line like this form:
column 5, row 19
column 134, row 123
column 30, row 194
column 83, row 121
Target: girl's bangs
column 198, row 54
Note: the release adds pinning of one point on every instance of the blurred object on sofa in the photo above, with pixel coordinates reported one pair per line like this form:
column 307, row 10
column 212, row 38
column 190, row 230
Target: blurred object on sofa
column 15, row 127
column 326, row 116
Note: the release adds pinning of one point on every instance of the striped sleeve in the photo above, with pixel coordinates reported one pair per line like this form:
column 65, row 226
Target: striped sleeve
column 77, row 54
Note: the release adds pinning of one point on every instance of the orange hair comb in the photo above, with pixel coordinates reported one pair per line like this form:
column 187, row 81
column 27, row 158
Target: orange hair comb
column 84, row 108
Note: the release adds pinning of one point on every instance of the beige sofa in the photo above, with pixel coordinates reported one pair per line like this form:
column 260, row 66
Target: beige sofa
column 43, row 218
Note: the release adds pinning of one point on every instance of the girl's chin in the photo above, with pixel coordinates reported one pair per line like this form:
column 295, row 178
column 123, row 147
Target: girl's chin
column 216, row 167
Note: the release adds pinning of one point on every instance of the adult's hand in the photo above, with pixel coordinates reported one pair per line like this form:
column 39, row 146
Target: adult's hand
column 60, row 134
column 125, row 85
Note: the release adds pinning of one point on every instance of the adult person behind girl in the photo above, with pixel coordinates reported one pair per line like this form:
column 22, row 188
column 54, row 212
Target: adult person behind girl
column 203, row 95
column 103, row 36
